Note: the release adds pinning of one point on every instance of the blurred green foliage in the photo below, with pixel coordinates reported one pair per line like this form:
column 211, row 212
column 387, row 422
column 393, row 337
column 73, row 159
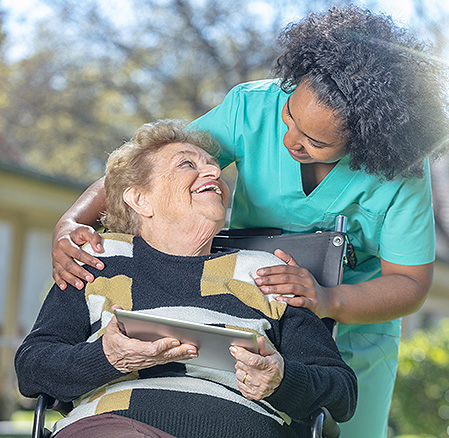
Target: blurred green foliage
column 95, row 74
column 420, row 404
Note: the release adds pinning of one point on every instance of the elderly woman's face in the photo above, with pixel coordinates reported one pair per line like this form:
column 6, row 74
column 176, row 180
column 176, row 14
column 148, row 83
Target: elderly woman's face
column 185, row 183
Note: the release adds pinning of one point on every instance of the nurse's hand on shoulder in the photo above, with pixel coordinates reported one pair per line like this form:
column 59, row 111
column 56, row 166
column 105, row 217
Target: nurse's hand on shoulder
column 290, row 279
column 67, row 239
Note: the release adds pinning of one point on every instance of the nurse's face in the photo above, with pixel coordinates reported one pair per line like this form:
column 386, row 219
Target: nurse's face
column 314, row 132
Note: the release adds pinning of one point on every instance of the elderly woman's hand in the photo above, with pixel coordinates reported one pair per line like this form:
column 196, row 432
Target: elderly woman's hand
column 260, row 374
column 128, row 354
column 296, row 285
column 67, row 238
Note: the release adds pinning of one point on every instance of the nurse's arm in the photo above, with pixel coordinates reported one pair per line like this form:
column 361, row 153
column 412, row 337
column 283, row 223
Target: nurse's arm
column 77, row 227
column 401, row 290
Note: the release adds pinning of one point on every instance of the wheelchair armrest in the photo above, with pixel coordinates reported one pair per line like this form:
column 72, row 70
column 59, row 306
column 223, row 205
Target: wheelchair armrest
column 43, row 403
column 323, row 425
column 62, row 407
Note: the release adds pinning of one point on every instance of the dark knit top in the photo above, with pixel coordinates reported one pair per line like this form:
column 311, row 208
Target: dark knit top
column 63, row 356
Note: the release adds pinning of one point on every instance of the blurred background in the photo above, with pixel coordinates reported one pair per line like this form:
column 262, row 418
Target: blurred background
column 78, row 78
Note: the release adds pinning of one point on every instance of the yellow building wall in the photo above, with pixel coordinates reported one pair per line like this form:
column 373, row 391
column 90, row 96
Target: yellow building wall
column 29, row 203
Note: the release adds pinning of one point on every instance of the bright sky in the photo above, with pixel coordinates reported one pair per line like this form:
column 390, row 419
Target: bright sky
column 23, row 14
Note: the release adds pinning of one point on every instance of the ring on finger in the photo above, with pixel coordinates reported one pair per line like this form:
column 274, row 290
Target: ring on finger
column 244, row 378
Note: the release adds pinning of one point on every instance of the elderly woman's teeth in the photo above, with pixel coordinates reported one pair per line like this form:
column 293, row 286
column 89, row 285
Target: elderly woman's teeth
column 213, row 187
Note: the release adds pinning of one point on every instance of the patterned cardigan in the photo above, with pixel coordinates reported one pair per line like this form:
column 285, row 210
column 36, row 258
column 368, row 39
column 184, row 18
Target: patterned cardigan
column 63, row 356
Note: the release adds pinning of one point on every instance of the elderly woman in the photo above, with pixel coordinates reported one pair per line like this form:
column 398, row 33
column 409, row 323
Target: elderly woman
column 164, row 187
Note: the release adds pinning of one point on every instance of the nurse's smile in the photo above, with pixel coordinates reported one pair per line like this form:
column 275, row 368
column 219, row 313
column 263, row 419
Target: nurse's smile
column 314, row 132
column 298, row 154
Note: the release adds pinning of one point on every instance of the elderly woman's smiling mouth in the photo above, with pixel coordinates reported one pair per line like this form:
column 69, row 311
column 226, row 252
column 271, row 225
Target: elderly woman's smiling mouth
column 212, row 187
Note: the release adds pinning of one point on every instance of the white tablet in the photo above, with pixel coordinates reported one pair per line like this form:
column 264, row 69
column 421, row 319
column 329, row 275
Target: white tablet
column 213, row 342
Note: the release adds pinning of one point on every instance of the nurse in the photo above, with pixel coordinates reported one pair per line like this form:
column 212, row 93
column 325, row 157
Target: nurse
column 346, row 130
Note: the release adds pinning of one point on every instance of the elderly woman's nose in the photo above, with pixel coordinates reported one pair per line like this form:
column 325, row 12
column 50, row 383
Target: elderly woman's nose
column 210, row 170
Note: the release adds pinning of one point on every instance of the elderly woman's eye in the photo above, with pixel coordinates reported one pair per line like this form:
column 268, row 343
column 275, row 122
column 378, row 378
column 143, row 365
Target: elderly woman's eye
column 187, row 163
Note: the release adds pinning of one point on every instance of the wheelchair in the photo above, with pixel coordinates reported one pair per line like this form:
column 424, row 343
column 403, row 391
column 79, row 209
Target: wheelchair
column 321, row 253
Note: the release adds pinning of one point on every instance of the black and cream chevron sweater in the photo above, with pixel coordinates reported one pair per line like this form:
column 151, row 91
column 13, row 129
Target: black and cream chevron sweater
column 63, row 356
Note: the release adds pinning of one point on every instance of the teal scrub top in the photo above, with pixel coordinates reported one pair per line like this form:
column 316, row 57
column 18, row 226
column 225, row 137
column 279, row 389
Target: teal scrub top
column 388, row 219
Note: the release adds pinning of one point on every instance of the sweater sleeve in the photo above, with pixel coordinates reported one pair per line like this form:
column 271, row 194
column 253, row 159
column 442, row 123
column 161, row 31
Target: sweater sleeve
column 55, row 358
column 315, row 374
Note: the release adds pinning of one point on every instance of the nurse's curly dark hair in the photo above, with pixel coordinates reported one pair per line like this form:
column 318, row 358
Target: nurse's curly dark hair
column 384, row 85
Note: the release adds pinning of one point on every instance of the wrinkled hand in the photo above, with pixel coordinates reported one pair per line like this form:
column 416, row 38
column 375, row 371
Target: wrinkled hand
column 293, row 280
column 260, row 374
column 67, row 238
column 128, row 354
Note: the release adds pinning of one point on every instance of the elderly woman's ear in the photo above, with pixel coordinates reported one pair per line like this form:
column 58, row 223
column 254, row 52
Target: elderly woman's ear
column 138, row 199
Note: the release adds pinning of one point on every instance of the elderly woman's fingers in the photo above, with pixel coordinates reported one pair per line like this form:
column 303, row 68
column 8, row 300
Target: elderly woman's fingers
column 171, row 349
column 265, row 349
column 251, row 391
column 247, row 379
column 258, row 375
column 241, row 375
column 246, row 359
column 128, row 354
